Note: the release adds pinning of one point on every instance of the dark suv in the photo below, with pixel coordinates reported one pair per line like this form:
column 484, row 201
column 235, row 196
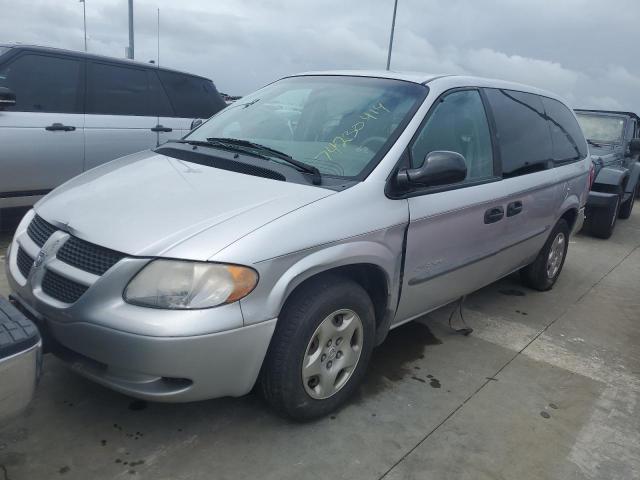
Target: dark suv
column 615, row 148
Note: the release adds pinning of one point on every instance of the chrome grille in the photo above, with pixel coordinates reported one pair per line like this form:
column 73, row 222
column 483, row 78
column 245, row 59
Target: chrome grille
column 87, row 256
column 40, row 230
column 61, row 288
column 75, row 252
column 25, row 262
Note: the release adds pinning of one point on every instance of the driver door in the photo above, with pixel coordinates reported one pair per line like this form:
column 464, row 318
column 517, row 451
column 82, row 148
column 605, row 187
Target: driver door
column 454, row 230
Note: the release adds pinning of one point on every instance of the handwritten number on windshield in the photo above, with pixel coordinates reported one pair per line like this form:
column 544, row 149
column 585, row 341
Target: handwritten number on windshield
column 349, row 135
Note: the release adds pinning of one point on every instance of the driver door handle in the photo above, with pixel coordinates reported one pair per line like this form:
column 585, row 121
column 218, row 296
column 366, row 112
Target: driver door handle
column 493, row 215
column 161, row 128
column 58, row 127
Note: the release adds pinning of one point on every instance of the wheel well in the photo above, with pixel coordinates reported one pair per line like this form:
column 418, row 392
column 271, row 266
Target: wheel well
column 370, row 277
column 570, row 216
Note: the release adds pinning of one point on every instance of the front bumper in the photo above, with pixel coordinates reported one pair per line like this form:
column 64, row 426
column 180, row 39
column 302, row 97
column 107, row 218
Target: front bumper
column 601, row 200
column 164, row 369
column 20, row 361
column 19, row 377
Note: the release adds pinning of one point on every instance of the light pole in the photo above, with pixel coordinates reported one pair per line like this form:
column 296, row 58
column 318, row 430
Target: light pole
column 130, row 51
column 84, row 16
column 393, row 26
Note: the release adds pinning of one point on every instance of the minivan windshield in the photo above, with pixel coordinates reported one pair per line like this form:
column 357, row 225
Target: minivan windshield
column 339, row 124
column 601, row 128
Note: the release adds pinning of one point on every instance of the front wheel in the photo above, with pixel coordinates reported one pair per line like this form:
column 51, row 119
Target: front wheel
column 320, row 349
column 545, row 269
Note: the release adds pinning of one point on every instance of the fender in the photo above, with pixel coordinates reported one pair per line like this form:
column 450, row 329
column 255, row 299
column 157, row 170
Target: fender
column 572, row 202
column 610, row 180
column 381, row 250
column 634, row 176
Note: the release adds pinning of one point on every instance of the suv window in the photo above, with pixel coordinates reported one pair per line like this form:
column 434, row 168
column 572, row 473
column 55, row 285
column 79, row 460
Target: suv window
column 122, row 90
column 43, row 83
column 191, row 97
column 567, row 139
column 523, row 133
column 458, row 124
column 631, row 128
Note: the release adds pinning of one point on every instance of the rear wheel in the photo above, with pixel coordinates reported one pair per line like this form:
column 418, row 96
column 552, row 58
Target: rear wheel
column 603, row 220
column 320, row 349
column 625, row 209
column 545, row 269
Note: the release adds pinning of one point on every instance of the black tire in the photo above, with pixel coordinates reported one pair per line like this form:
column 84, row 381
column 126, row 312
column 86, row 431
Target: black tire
column 603, row 221
column 627, row 207
column 535, row 274
column 281, row 376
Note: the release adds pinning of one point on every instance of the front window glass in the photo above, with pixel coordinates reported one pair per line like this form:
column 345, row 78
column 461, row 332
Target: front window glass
column 3, row 50
column 601, row 128
column 458, row 124
column 336, row 123
column 43, row 83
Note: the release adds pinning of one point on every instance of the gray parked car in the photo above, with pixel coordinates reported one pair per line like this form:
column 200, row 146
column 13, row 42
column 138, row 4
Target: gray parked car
column 282, row 239
column 64, row 112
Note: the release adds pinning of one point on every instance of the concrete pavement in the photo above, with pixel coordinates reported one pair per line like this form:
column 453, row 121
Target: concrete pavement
column 547, row 386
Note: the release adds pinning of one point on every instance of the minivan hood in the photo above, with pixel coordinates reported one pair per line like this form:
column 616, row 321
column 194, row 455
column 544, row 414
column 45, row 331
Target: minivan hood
column 148, row 204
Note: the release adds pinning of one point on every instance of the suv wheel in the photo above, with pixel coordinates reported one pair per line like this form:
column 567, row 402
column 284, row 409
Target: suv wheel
column 545, row 269
column 320, row 348
column 625, row 209
column 603, row 221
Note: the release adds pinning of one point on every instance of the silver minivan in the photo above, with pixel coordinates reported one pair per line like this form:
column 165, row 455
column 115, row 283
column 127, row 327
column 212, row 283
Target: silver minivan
column 64, row 112
column 281, row 240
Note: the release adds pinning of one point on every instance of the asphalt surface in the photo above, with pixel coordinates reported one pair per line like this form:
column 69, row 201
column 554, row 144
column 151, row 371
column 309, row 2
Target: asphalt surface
column 547, row 386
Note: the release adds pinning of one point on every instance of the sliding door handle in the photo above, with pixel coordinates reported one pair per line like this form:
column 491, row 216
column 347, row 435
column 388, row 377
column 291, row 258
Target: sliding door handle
column 514, row 208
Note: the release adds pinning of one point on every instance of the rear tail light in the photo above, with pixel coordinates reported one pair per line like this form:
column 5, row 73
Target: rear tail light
column 592, row 175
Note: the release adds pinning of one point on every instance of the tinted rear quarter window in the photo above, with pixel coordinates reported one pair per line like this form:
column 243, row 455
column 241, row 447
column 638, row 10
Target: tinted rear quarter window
column 43, row 83
column 191, row 97
column 523, row 134
column 123, row 90
column 566, row 136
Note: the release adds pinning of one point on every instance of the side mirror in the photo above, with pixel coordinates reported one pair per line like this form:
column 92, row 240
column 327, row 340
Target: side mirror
column 7, row 98
column 196, row 123
column 439, row 168
column 634, row 145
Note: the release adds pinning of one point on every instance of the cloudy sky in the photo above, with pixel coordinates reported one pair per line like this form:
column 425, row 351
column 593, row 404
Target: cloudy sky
column 584, row 50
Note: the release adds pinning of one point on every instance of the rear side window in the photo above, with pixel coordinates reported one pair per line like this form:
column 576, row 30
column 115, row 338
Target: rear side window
column 43, row 83
column 523, row 134
column 191, row 97
column 567, row 140
column 122, row 90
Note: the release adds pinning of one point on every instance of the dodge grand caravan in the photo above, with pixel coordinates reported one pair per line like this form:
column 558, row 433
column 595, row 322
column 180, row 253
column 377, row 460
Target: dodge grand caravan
column 64, row 112
column 280, row 241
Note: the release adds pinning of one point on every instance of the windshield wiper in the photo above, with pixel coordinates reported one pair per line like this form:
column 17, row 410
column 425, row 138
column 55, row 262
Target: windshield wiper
column 215, row 144
column 595, row 144
column 269, row 152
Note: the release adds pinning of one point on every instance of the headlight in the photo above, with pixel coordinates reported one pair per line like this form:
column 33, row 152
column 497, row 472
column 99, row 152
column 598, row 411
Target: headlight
column 176, row 284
